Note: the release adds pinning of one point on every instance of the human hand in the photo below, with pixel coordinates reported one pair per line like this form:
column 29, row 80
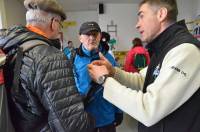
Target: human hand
column 104, row 62
column 96, row 71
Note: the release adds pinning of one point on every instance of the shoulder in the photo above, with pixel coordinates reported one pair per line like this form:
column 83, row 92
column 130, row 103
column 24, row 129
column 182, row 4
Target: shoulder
column 46, row 53
column 185, row 49
column 184, row 54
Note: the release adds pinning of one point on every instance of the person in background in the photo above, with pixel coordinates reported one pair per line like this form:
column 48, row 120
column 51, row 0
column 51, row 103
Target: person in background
column 69, row 47
column 70, row 44
column 107, row 116
column 137, row 48
column 164, row 97
column 105, row 38
column 46, row 99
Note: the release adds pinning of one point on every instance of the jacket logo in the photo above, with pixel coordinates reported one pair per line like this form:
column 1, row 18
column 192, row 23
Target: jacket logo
column 156, row 72
column 179, row 70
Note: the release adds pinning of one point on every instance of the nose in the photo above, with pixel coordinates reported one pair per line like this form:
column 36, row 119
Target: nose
column 137, row 26
column 92, row 36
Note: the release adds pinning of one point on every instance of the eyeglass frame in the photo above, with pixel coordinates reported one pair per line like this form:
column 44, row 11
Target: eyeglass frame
column 59, row 22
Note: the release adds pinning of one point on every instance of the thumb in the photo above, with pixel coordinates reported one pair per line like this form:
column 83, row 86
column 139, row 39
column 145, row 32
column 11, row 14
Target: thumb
column 102, row 57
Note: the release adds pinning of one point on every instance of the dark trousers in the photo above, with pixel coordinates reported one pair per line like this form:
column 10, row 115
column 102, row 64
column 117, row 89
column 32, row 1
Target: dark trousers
column 107, row 128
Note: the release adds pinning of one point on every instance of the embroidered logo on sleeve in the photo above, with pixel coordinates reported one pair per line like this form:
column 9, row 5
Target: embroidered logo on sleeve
column 179, row 71
column 156, row 72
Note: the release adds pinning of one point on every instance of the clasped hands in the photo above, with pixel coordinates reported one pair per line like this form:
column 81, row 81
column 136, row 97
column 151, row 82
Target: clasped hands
column 100, row 67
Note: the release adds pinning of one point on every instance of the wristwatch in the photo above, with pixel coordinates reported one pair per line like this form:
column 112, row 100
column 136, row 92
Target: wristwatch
column 102, row 79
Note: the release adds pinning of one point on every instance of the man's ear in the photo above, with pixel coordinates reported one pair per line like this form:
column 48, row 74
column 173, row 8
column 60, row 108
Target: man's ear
column 53, row 25
column 162, row 14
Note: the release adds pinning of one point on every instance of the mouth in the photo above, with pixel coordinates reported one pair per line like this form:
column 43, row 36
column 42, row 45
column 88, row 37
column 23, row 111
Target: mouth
column 93, row 43
column 141, row 32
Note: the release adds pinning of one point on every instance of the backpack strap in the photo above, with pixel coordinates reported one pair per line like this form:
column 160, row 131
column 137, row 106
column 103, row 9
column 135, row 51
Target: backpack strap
column 31, row 44
column 26, row 46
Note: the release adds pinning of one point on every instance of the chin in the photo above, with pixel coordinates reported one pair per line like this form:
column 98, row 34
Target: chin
column 145, row 40
column 93, row 48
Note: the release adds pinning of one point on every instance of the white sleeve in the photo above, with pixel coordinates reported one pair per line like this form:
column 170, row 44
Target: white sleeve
column 177, row 82
column 129, row 79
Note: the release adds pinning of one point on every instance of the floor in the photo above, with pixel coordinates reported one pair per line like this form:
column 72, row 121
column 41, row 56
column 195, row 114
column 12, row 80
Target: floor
column 128, row 125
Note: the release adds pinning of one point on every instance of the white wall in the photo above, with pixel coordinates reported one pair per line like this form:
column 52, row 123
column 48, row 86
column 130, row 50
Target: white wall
column 71, row 33
column 15, row 12
column 3, row 22
column 125, row 17
column 187, row 9
column 198, row 8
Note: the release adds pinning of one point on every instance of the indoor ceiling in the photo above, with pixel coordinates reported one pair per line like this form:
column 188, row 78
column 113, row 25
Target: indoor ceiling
column 80, row 5
column 83, row 5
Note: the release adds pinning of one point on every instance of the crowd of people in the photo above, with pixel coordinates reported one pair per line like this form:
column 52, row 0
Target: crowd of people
column 84, row 90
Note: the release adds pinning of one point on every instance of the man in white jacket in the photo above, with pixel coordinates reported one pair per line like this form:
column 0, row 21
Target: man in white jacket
column 165, row 96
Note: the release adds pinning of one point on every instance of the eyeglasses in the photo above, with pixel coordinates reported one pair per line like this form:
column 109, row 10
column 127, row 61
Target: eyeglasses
column 93, row 33
column 60, row 23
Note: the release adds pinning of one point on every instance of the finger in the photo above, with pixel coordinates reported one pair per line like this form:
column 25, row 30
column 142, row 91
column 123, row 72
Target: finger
column 90, row 72
column 89, row 66
column 98, row 62
column 101, row 56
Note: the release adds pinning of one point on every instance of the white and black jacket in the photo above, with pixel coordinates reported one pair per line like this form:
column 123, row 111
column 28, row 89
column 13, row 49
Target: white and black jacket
column 166, row 97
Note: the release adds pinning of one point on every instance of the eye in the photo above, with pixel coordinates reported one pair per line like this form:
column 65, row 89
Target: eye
column 141, row 16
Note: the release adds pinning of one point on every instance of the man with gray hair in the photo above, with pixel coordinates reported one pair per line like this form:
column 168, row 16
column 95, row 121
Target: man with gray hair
column 46, row 98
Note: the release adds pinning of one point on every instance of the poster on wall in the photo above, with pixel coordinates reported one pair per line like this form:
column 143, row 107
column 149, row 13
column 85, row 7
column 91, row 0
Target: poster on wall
column 196, row 27
column 112, row 31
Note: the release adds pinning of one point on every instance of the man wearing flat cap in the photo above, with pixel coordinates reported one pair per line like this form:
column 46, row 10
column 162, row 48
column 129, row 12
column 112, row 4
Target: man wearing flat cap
column 106, row 115
column 47, row 98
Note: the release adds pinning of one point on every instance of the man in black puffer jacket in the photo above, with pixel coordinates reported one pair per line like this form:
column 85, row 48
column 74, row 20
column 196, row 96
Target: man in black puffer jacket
column 47, row 98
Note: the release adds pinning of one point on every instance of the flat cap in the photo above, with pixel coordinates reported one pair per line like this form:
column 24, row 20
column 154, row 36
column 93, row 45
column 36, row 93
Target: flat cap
column 45, row 5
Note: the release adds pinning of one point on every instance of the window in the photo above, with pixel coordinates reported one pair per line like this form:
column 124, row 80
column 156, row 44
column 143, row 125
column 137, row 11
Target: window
column 1, row 25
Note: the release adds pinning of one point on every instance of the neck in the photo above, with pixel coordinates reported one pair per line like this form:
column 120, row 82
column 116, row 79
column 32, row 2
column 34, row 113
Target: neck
column 165, row 25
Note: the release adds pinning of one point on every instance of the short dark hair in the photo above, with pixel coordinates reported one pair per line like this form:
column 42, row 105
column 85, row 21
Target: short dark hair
column 106, row 36
column 69, row 42
column 137, row 42
column 171, row 6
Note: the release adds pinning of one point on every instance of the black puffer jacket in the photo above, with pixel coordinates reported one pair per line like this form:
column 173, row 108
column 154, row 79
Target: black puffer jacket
column 48, row 99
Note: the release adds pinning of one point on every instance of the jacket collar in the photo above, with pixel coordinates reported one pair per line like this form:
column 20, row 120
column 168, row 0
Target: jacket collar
column 36, row 30
column 162, row 40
